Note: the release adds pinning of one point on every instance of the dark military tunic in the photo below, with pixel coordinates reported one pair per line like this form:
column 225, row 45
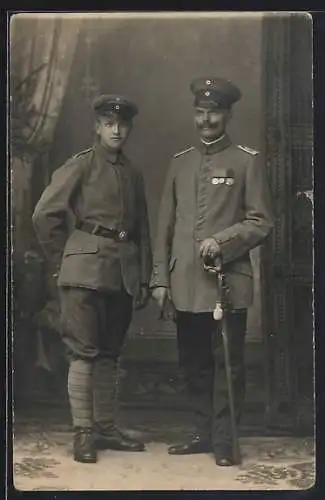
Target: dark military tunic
column 102, row 188
column 219, row 191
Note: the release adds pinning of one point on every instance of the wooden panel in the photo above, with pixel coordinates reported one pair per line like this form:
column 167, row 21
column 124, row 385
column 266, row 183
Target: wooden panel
column 303, row 355
column 288, row 258
column 278, row 162
column 302, row 221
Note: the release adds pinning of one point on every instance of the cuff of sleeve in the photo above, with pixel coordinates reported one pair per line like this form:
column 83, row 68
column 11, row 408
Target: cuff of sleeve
column 145, row 265
column 159, row 276
column 229, row 246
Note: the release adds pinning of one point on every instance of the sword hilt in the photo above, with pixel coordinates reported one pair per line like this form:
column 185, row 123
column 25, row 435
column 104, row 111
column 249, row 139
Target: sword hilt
column 214, row 266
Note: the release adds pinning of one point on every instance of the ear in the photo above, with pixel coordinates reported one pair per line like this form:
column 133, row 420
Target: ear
column 130, row 126
column 97, row 125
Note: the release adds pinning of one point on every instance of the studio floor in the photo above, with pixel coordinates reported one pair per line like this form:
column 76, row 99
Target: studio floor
column 42, row 460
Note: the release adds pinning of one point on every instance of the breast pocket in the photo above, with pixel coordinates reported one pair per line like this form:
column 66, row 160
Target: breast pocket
column 81, row 243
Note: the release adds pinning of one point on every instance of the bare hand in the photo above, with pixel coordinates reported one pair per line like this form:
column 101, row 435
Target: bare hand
column 209, row 248
column 160, row 295
column 143, row 297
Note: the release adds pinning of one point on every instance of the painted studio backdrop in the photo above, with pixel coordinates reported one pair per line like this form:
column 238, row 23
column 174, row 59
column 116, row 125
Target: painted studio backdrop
column 57, row 66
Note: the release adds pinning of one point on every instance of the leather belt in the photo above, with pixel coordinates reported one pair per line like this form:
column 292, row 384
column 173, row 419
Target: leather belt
column 98, row 230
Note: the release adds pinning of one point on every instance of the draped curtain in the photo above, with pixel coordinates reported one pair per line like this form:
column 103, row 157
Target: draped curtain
column 41, row 53
column 42, row 49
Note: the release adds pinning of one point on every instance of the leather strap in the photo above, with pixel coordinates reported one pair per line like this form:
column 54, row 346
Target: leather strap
column 118, row 235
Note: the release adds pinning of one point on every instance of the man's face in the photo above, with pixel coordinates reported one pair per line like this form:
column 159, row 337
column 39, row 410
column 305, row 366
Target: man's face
column 211, row 123
column 113, row 131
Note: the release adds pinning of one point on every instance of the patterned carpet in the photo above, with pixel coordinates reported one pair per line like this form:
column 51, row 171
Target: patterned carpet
column 42, row 461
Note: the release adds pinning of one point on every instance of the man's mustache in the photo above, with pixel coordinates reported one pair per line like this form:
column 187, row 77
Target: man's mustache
column 208, row 125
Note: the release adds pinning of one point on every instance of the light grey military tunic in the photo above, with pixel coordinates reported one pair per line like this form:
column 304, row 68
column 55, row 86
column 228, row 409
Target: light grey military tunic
column 221, row 192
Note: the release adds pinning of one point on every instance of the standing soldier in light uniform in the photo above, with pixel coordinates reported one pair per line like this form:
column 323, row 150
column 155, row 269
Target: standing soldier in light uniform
column 215, row 203
column 103, row 267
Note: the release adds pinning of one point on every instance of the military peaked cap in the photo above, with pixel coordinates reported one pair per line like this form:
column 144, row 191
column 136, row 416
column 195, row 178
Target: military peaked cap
column 106, row 104
column 215, row 92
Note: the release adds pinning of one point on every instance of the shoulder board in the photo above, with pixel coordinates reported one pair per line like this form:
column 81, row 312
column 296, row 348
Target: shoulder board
column 248, row 150
column 183, row 152
column 85, row 151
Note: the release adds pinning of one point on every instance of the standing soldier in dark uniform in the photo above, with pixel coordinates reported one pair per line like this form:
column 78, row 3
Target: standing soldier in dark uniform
column 103, row 269
column 215, row 203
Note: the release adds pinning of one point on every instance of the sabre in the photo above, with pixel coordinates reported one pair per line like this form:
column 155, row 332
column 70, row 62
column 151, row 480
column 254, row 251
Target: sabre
column 219, row 314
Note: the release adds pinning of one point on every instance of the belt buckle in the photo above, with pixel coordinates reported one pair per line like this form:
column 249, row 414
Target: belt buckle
column 122, row 235
column 95, row 230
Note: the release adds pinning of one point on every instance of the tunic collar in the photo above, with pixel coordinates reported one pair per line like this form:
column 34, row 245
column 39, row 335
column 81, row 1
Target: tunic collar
column 107, row 155
column 214, row 147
